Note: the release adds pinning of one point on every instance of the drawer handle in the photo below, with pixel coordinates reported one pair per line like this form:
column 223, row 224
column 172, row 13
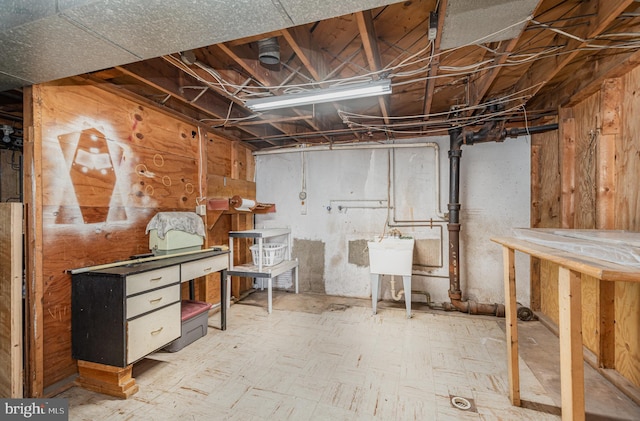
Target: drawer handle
column 156, row 279
column 208, row 269
column 155, row 301
column 155, row 332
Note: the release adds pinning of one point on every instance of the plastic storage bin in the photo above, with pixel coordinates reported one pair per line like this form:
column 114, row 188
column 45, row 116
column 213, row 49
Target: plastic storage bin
column 272, row 253
column 194, row 315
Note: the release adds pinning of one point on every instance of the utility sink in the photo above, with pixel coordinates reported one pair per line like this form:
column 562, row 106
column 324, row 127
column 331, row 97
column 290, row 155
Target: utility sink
column 391, row 256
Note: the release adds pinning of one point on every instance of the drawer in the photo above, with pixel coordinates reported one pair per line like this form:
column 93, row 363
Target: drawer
column 152, row 300
column 145, row 281
column 153, row 331
column 198, row 268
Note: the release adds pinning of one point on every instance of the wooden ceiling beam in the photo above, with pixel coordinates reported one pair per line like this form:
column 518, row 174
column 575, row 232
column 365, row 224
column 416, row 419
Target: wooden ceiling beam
column 169, row 83
column 263, row 76
column 588, row 80
column 430, row 85
column 599, row 14
column 303, row 45
column 372, row 52
column 481, row 85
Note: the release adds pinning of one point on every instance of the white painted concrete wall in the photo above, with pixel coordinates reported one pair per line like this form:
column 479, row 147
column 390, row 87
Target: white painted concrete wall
column 495, row 197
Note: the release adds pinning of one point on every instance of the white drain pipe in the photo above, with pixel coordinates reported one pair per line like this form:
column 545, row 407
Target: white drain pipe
column 393, row 290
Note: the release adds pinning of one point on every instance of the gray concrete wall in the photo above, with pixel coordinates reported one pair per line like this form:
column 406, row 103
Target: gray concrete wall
column 346, row 204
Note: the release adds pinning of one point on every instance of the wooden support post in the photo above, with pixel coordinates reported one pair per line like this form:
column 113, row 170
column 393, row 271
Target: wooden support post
column 534, row 264
column 570, row 326
column 568, row 158
column 34, row 320
column 511, row 324
column 612, row 94
column 113, row 381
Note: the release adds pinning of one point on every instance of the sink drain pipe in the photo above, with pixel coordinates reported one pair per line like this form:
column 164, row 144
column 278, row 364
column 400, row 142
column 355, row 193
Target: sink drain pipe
column 457, row 138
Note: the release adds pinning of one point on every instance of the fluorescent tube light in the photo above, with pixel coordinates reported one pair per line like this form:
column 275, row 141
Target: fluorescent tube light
column 339, row 93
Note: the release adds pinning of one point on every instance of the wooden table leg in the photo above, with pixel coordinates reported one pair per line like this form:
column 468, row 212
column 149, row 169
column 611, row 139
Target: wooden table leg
column 571, row 361
column 223, row 299
column 511, row 322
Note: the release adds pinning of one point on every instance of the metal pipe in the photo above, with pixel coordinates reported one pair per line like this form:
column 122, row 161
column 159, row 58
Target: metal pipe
column 457, row 138
column 455, row 153
column 348, row 146
column 356, row 146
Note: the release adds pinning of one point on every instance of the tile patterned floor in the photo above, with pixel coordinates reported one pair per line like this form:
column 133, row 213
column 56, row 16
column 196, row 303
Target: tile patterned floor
column 339, row 364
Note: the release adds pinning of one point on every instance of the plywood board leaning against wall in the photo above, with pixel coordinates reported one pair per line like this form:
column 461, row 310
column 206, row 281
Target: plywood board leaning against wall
column 11, row 300
column 109, row 164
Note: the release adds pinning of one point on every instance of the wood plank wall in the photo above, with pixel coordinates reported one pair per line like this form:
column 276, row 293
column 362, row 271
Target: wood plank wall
column 593, row 183
column 100, row 166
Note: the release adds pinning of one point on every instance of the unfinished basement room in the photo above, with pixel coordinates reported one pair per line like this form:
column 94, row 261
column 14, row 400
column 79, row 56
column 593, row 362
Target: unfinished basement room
column 320, row 210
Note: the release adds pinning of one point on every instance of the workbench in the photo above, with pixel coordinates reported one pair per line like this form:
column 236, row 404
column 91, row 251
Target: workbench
column 124, row 311
column 572, row 265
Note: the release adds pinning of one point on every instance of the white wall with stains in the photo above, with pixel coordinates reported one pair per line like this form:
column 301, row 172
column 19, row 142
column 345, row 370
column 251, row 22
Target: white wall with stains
column 347, row 193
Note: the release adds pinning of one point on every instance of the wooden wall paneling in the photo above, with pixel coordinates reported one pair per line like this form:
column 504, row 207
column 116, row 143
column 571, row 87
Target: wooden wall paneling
column 567, row 175
column 238, row 170
column 241, row 252
column 627, row 216
column 99, row 215
column 11, row 268
column 536, row 190
column 627, row 333
column 33, row 237
column 218, row 233
column 225, row 187
column 588, row 132
column 549, row 290
column 627, row 207
column 218, row 156
column 545, row 196
column 590, row 316
column 588, row 118
column 606, row 158
column 610, row 108
column 154, row 158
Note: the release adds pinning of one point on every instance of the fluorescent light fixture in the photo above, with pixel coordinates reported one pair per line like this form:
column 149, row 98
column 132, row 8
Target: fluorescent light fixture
column 339, row 93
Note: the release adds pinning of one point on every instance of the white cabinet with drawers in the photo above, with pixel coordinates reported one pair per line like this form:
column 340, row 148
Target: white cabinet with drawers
column 123, row 313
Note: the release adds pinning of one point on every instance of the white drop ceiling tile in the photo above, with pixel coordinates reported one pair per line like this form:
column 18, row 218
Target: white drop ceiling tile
column 53, row 48
column 482, row 21
column 306, row 11
column 17, row 12
column 154, row 28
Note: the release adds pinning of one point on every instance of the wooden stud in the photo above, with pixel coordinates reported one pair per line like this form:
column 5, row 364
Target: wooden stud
column 511, row 324
column 536, row 196
column 606, row 159
column 570, row 329
column 34, row 343
column 611, row 100
column 567, row 178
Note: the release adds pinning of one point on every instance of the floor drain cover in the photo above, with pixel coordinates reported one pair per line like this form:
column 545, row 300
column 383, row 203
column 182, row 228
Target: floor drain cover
column 462, row 404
